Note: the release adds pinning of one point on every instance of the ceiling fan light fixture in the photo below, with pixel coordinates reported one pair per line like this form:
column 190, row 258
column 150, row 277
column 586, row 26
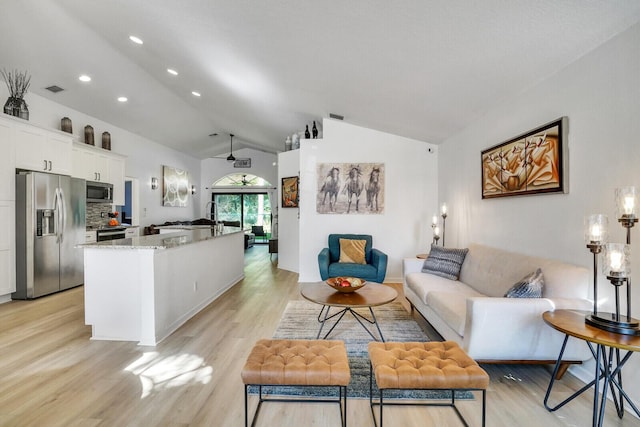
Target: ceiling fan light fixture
column 230, row 158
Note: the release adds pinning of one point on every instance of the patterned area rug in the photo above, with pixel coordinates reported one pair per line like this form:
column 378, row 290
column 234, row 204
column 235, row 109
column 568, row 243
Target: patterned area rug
column 300, row 321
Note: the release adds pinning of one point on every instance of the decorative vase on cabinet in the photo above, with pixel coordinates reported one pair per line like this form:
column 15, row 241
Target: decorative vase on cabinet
column 88, row 135
column 23, row 110
column 106, row 140
column 12, row 106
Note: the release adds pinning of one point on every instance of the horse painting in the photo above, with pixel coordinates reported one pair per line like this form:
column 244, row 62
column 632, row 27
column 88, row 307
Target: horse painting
column 353, row 186
column 373, row 188
column 339, row 187
column 331, row 187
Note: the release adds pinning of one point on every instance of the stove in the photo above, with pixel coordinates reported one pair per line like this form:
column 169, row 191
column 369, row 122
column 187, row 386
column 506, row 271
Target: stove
column 110, row 233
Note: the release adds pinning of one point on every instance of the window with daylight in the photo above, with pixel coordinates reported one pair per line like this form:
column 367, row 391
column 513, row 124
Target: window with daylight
column 237, row 198
column 241, row 180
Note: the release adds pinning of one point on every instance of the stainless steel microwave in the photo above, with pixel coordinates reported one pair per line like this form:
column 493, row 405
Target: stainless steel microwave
column 99, row 192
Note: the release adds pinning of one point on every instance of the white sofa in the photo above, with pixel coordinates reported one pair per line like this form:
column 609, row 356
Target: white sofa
column 491, row 328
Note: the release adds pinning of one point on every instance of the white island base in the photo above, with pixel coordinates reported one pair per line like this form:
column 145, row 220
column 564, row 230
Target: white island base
column 144, row 288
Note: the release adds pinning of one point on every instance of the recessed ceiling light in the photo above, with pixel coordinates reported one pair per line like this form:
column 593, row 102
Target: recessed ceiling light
column 122, row 99
column 84, row 78
column 136, row 40
column 194, row 93
column 170, row 71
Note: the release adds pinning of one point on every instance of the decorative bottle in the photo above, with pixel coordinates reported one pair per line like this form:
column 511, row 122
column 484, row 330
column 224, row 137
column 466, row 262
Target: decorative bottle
column 307, row 135
column 314, row 130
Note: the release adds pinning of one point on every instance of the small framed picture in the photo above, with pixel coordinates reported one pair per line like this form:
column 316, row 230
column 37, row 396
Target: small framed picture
column 290, row 192
column 242, row 163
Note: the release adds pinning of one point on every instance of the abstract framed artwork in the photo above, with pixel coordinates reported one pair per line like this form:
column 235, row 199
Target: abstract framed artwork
column 350, row 188
column 532, row 163
column 176, row 189
column 290, row 192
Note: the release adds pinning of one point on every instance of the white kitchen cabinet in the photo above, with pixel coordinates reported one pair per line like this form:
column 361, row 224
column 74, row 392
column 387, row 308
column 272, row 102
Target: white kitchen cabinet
column 7, row 162
column 131, row 232
column 42, row 150
column 116, row 177
column 90, row 164
column 7, row 252
column 96, row 164
column 90, row 237
column 59, row 152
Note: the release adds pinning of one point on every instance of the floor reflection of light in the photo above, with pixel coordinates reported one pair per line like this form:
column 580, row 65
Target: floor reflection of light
column 158, row 373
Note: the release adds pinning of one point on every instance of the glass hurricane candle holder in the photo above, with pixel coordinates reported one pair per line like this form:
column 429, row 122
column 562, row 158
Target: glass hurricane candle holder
column 627, row 202
column 616, row 262
column 596, row 229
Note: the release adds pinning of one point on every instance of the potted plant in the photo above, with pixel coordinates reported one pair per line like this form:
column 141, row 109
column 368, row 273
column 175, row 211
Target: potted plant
column 18, row 84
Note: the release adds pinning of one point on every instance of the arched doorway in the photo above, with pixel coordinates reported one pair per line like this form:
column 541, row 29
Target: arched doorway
column 244, row 199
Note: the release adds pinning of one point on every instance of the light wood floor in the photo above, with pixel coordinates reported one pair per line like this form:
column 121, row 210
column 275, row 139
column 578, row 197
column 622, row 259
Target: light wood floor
column 51, row 374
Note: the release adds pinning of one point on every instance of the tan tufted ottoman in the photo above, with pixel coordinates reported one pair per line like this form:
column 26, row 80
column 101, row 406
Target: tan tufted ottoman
column 424, row 366
column 297, row 363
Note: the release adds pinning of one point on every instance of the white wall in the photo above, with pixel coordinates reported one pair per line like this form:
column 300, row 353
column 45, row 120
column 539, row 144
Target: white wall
column 145, row 158
column 288, row 218
column 600, row 94
column 403, row 230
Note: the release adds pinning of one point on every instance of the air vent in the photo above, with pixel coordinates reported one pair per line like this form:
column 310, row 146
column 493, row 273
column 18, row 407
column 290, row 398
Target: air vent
column 54, row 89
column 336, row 116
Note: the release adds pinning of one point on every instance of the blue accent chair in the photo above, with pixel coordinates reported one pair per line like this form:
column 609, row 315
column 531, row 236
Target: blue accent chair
column 374, row 270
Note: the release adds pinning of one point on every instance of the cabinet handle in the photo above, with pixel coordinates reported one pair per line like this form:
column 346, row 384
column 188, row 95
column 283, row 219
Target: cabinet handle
column 95, row 176
column 45, row 165
column 99, row 177
column 50, row 165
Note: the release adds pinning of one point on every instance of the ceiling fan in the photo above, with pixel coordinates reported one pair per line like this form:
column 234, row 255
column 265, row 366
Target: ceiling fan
column 237, row 162
column 243, row 182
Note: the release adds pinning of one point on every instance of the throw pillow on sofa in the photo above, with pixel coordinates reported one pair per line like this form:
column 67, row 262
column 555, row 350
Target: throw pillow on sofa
column 444, row 262
column 530, row 286
column 352, row 251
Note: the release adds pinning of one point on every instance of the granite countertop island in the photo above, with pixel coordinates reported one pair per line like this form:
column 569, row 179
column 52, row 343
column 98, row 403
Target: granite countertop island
column 182, row 235
column 144, row 288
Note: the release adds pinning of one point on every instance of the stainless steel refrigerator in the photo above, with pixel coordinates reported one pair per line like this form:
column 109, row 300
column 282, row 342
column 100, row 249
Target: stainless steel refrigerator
column 50, row 222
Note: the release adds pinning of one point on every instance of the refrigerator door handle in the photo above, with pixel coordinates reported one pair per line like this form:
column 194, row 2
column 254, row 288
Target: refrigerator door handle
column 56, row 213
column 63, row 217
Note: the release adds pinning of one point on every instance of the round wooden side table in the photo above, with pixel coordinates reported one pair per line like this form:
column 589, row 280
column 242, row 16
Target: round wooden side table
column 608, row 364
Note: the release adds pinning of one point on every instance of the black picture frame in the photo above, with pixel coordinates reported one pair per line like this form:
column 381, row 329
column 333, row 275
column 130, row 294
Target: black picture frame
column 534, row 162
column 290, row 192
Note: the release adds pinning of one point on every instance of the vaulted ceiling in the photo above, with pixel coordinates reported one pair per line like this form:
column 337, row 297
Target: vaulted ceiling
column 423, row 69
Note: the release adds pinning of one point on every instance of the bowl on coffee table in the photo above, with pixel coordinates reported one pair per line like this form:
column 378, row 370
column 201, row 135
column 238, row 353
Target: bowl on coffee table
column 345, row 284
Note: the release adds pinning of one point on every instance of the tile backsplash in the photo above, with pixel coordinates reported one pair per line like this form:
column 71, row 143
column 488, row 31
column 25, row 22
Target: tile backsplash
column 94, row 211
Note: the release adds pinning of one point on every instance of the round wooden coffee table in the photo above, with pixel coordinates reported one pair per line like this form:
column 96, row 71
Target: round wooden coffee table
column 371, row 295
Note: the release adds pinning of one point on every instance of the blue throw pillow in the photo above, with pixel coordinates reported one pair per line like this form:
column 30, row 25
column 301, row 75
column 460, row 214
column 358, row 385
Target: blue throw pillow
column 529, row 286
column 444, row 262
